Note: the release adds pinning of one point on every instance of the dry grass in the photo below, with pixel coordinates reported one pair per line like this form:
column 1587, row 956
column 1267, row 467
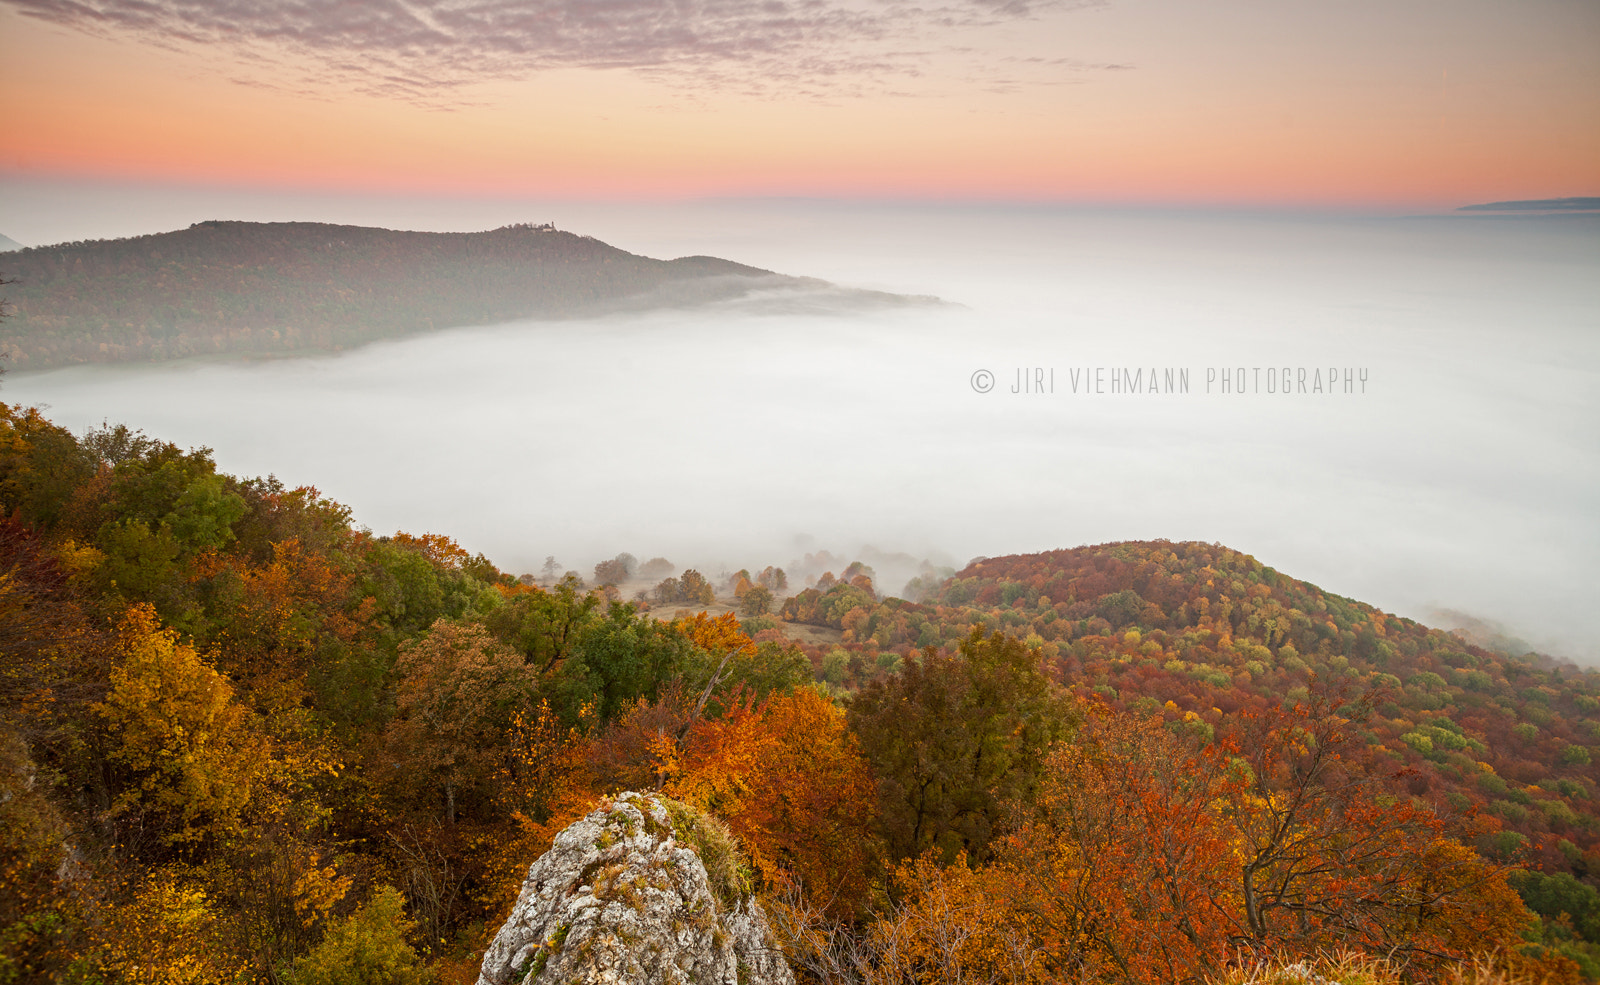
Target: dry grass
column 1354, row 969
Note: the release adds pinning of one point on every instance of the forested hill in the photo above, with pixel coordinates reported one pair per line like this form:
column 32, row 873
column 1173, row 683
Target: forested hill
column 1199, row 633
column 252, row 287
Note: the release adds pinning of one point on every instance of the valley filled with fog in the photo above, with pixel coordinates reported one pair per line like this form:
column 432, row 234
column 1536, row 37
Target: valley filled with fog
column 1462, row 471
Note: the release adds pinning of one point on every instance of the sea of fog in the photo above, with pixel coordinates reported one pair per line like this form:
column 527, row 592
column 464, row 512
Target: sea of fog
column 1449, row 464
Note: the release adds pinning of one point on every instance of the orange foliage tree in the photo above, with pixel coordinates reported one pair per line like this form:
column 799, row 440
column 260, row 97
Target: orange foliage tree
column 1123, row 866
column 437, row 548
column 272, row 621
column 545, row 783
column 787, row 778
column 784, row 774
column 955, row 926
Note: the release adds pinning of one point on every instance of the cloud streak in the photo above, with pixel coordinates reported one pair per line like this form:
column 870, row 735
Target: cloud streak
column 427, row 48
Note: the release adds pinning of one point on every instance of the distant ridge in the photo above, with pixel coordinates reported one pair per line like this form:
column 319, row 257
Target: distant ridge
column 266, row 288
column 1538, row 205
column 7, row 244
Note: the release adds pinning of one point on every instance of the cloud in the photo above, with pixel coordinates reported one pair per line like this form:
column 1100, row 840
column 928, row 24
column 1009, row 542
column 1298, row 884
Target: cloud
column 424, row 49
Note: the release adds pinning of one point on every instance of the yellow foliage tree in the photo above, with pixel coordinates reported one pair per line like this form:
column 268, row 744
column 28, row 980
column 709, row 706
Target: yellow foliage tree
column 366, row 948
column 716, row 635
column 190, row 754
column 168, row 931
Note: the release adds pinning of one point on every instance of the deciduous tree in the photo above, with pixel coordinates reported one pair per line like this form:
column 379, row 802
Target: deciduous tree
column 188, row 756
column 953, row 739
column 459, row 692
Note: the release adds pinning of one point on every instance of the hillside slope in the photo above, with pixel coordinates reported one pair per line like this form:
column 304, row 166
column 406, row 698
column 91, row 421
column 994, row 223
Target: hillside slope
column 1198, row 632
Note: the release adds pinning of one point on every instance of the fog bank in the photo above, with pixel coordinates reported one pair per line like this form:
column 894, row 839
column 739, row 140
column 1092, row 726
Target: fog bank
column 1457, row 469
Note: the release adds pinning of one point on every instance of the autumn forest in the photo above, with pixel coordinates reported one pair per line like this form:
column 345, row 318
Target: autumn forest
column 245, row 739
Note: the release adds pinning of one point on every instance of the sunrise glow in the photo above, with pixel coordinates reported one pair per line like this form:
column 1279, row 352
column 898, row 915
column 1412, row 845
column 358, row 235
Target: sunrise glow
column 1120, row 103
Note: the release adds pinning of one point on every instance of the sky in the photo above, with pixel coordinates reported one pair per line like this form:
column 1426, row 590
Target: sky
column 1379, row 105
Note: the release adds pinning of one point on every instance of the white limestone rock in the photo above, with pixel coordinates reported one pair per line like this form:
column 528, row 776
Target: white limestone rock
column 641, row 890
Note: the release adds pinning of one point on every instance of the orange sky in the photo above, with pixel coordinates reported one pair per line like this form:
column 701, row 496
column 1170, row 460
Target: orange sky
column 1427, row 103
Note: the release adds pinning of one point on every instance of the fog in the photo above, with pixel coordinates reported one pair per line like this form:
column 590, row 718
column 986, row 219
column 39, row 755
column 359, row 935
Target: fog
column 1461, row 472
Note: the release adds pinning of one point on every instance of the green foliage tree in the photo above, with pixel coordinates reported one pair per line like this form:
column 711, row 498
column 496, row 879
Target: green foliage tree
column 275, row 514
column 621, row 658
column 204, row 514
column 1120, row 608
column 411, row 593
column 770, row 667
column 544, row 626
column 1557, row 896
column 141, row 562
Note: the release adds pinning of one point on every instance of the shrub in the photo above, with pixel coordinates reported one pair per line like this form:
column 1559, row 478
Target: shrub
column 366, row 948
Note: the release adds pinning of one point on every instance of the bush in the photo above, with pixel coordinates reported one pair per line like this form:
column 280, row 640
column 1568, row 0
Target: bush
column 366, row 948
column 758, row 624
column 1557, row 812
column 1515, row 813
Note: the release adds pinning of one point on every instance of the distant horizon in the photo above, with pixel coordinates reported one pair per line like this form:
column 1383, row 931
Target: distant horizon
column 34, row 204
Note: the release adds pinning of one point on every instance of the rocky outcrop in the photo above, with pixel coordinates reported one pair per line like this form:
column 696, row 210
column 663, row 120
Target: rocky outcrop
column 643, row 889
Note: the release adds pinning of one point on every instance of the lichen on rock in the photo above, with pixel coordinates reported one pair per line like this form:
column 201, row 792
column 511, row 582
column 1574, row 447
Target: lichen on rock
column 643, row 889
